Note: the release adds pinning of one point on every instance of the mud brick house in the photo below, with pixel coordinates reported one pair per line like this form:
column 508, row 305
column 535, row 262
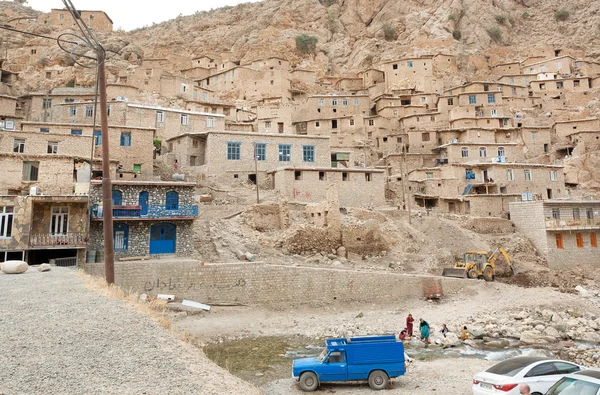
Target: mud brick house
column 150, row 218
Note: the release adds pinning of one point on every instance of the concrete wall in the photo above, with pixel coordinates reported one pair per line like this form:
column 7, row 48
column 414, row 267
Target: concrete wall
column 255, row 283
column 528, row 218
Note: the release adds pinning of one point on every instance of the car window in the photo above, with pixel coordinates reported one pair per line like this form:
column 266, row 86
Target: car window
column 512, row 366
column 569, row 386
column 335, row 356
column 566, row 368
column 543, row 369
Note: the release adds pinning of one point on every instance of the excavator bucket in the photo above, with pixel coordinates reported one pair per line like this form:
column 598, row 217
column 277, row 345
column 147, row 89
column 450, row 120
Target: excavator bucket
column 454, row 272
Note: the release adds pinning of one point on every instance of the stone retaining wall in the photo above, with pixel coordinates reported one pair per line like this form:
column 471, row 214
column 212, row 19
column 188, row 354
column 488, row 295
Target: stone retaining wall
column 256, row 283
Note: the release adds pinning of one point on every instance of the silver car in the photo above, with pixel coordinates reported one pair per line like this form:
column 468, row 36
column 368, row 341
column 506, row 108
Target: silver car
column 585, row 382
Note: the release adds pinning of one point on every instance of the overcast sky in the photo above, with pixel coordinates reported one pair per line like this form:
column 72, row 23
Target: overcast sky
column 131, row 14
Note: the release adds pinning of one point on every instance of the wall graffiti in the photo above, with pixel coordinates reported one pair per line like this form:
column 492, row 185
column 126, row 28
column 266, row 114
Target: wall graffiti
column 178, row 284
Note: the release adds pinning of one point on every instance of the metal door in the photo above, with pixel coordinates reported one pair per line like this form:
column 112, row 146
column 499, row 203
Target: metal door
column 143, row 202
column 162, row 238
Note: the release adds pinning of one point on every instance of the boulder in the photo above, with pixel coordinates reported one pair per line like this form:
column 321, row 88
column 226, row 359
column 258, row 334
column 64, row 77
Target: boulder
column 531, row 337
column 44, row 267
column 341, row 251
column 451, row 340
column 551, row 331
column 15, row 267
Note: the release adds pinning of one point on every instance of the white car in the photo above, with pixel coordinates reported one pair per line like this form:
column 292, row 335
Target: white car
column 506, row 376
column 585, row 382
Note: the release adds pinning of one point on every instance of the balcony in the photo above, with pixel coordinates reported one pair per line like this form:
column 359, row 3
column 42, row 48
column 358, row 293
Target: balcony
column 152, row 212
column 70, row 239
column 573, row 224
column 441, row 161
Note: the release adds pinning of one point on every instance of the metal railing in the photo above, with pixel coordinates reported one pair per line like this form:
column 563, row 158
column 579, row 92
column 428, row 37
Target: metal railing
column 58, row 239
column 156, row 211
column 66, row 262
column 572, row 223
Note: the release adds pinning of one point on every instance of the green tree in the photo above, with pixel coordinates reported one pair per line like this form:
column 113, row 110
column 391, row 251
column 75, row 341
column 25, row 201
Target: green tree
column 306, row 44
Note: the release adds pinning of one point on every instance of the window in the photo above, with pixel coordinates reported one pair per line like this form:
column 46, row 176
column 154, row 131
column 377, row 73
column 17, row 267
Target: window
column 556, row 213
column 344, row 102
column 72, row 111
column 542, row 86
column 205, row 95
column 576, row 214
column 18, row 146
column 172, row 200
column 451, row 102
column 356, row 102
column 193, row 160
column 59, row 220
column 395, row 112
column 527, row 173
column 589, row 213
column 61, row 16
column 317, row 124
column 351, row 121
column 371, row 122
column 44, row 130
column 543, row 68
column 486, row 87
column 423, row 100
column 593, row 240
column 210, row 122
column 429, row 174
column 308, row 153
column 285, row 152
column 117, row 197
column 125, row 139
column 579, row 237
column 560, row 85
column 52, row 147
column 184, row 119
column 395, row 66
column 267, row 125
column 137, row 168
column 76, row 132
column 6, row 221
column 160, row 117
column 409, row 63
column 334, row 124
column 46, row 103
column 30, row 170
column 464, row 152
column 543, row 369
column 334, row 102
column 425, row 136
column 260, row 151
column 491, row 98
column 510, row 174
column 500, row 151
column 233, row 151
column 121, row 236
column 472, row 99
column 108, row 108
column 558, row 65
column 97, row 137
column 559, row 242
column 494, row 112
column 482, row 152
column 184, row 88
column 322, row 176
column 345, row 176
column 368, row 177
column 89, row 111
column 533, row 135
column 553, row 175
column 321, row 102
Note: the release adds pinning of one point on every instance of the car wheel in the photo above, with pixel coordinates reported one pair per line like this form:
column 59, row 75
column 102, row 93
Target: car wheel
column 488, row 273
column 378, row 380
column 536, row 393
column 472, row 273
column 309, row 381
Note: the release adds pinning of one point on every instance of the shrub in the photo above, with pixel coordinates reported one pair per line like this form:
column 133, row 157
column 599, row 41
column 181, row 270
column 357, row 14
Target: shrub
column 525, row 15
column 495, row 34
column 561, row 15
column 327, row 3
column 511, row 20
column 71, row 84
column 306, row 43
column 456, row 34
column 389, row 31
column 157, row 143
column 501, row 19
column 452, row 17
column 332, row 22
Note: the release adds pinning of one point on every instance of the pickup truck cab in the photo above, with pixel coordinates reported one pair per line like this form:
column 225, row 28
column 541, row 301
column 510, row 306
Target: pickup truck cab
column 373, row 358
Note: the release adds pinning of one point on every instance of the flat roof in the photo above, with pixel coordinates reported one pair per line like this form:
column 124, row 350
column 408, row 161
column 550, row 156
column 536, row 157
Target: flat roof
column 64, row 9
column 84, row 125
column 331, row 169
column 579, row 120
column 178, row 110
column 240, row 133
column 548, row 60
column 157, row 183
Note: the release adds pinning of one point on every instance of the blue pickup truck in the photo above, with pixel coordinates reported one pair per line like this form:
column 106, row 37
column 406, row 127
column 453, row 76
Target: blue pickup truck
column 373, row 358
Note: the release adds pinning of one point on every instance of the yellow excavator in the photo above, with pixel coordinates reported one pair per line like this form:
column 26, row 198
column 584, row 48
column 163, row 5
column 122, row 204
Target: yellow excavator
column 477, row 264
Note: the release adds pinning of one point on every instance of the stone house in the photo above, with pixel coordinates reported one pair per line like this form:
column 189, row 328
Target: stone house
column 372, row 77
column 275, row 117
column 177, row 86
column 356, row 187
column 517, row 79
column 506, row 68
column 563, row 231
column 549, row 87
column 414, row 73
column 563, row 129
column 39, row 106
column 97, row 20
column 559, row 65
column 149, row 218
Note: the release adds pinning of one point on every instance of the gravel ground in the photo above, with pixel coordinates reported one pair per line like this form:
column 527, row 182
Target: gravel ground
column 60, row 337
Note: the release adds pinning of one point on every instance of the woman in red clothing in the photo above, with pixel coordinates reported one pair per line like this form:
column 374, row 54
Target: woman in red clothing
column 409, row 324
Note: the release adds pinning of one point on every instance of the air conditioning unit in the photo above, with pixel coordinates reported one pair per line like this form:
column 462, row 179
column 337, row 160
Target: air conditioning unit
column 121, row 98
column 34, row 191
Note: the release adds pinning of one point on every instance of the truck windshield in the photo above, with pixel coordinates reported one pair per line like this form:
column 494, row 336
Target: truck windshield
column 323, row 355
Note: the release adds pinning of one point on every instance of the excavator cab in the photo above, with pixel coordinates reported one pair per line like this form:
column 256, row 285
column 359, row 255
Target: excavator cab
column 475, row 264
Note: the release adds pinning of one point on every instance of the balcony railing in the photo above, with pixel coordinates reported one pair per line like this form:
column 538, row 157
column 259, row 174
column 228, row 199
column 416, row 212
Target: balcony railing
column 153, row 211
column 59, row 239
column 573, row 223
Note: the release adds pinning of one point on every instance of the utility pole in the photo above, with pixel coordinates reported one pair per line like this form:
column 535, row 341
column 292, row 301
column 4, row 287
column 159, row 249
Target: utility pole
column 404, row 174
column 256, row 173
column 107, row 218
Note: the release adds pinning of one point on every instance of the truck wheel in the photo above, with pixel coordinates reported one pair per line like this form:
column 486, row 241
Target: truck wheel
column 488, row 273
column 472, row 273
column 309, row 381
column 378, row 380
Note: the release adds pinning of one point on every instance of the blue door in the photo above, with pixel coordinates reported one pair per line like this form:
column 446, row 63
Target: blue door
column 162, row 238
column 117, row 197
column 143, row 202
column 334, row 367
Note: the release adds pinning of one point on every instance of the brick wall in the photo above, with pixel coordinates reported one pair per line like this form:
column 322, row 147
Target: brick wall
column 570, row 254
column 255, row 283
column 528, row 218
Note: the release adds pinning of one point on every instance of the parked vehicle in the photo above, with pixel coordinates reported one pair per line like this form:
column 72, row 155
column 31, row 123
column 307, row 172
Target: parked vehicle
column 506, row 376
column 585, row 382
column 373, row 358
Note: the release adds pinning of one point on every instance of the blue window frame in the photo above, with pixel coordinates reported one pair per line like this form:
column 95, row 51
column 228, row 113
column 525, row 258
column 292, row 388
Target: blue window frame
column 97, row 137
column 117, row 197
column 172, row 200
column 491, row 98
column 233, row 151
column 45, row 130
column 285, row 152
column 472, row 99
column 76, row 132
column 261, row 151
column 120, row 237
column 409, row 63
column 308, row 153
column 125, row 139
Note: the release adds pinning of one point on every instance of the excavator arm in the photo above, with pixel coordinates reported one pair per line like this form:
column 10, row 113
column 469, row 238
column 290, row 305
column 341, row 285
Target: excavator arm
column 495, row 256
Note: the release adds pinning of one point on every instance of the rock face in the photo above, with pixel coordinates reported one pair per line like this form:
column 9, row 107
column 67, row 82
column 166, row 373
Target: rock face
column 14, row 267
